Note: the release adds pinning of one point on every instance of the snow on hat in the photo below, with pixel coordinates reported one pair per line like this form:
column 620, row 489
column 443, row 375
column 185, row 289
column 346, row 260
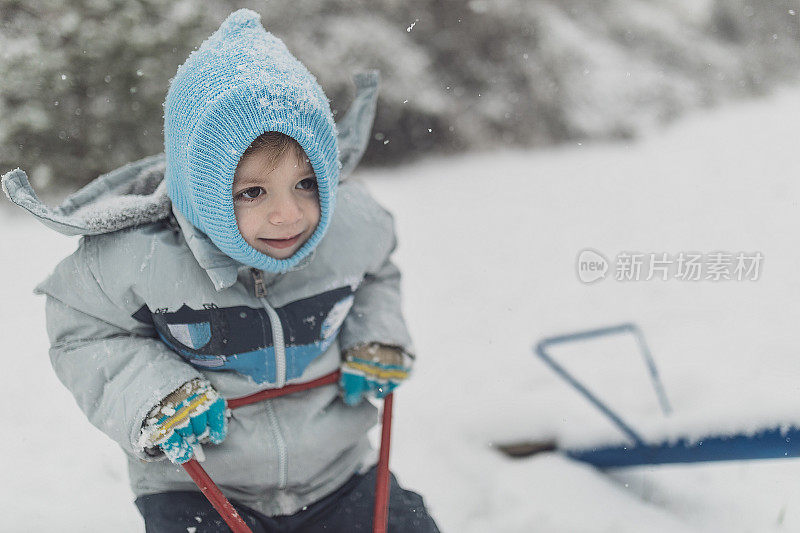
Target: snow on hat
column 240, row 83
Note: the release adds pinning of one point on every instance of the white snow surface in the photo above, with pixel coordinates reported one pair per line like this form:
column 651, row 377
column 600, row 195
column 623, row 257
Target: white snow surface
column 487, row 246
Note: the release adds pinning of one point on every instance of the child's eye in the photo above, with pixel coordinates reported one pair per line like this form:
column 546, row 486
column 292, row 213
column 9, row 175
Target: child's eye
column 250, row 193
column 308, row 184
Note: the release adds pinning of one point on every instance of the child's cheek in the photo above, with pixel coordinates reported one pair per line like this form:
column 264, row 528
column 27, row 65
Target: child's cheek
column 245, row 222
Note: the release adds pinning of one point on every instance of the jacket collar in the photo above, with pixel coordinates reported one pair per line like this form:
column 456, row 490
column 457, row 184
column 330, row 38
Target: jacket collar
column 221, row 268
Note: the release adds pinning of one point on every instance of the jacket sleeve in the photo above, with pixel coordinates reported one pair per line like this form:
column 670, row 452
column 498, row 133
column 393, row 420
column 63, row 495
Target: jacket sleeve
column 376, row 314
column 116, row 371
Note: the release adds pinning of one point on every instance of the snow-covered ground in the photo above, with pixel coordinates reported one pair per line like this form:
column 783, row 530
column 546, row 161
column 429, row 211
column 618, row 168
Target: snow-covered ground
column 488, row 247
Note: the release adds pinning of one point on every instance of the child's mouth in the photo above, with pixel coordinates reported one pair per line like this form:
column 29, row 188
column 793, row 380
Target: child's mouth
column 282, row 243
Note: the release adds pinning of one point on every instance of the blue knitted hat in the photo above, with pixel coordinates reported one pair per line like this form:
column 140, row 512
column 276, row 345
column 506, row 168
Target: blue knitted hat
column 240, row 83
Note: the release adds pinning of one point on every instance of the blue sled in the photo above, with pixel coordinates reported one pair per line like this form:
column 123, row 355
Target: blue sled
column 767, row 444
column 773, row 443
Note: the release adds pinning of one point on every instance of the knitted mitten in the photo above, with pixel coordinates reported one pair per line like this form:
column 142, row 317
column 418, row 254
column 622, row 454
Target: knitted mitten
column 194, row 413
column 375, row 369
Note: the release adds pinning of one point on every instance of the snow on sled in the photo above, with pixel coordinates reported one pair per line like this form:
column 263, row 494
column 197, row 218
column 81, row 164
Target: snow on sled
column 628, row 446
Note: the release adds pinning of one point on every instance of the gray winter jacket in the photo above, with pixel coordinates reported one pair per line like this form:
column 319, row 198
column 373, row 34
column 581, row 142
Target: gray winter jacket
column 147, row 302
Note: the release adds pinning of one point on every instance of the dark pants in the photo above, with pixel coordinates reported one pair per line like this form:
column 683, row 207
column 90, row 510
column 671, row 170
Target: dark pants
column 347, row 510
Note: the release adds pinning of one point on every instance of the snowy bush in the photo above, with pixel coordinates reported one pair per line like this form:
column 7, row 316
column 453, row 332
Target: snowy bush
column 82, row 81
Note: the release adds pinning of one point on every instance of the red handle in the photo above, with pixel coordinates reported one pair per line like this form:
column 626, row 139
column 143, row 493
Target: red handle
column 327, row 379
column 215, row 496
column 381, row 515
column 228, row 512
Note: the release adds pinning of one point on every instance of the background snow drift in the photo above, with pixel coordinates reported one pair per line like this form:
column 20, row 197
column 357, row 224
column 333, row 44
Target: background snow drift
column 488, row 243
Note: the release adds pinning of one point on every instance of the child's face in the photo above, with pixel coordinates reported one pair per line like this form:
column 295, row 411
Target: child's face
column 276, row 203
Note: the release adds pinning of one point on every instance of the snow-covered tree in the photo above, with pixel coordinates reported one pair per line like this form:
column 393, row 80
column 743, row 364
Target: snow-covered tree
column 82, row 81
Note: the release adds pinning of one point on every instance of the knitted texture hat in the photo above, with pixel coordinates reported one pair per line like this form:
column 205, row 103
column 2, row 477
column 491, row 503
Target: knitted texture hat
column 240, row 83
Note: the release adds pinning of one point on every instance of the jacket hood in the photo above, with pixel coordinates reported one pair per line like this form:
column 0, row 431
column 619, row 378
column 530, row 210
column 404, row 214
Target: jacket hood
column 136, row 194
column 240, row 83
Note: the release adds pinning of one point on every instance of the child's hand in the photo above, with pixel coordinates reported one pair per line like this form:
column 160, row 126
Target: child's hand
column 374, row 369
column 194, row 413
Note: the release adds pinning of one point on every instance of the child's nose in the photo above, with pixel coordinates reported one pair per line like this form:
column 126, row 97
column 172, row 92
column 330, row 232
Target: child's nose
column 285, row 211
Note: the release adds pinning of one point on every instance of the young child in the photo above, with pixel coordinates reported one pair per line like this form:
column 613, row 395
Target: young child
column 221, row 269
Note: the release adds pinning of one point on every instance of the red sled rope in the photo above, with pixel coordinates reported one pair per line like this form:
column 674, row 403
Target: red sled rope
column 380, row 516
column 228, row 512
column 215, row 496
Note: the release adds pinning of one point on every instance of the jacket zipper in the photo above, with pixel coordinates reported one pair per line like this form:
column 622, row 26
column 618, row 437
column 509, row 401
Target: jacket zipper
column 279, row 346
column 280, row 443
column 277, row 329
